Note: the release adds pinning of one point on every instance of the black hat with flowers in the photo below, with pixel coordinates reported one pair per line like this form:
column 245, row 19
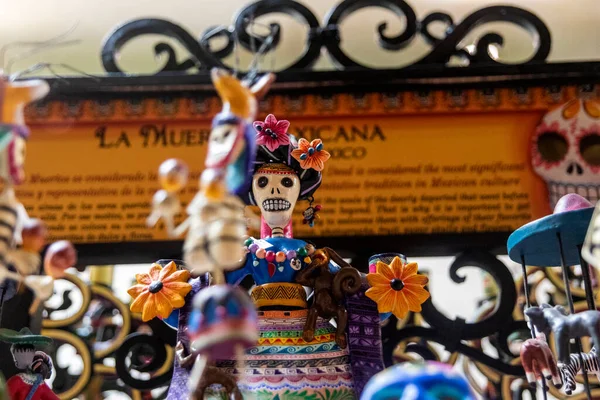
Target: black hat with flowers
column 277, row 146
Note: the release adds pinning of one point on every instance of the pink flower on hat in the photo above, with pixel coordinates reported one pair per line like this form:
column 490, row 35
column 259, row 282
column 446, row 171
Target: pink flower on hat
column 272, row 133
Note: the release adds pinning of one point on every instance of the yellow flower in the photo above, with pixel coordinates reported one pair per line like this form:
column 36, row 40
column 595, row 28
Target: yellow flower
column 160, row 291
column 397, row 288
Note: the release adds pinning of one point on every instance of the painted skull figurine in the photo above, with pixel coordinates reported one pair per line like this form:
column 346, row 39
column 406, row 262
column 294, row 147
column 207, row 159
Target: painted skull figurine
column 223, row 318
column 566, row 150
column 276, row 188
column 418, row 381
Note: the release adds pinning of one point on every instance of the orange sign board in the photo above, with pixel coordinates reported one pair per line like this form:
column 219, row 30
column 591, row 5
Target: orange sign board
column 391, row 172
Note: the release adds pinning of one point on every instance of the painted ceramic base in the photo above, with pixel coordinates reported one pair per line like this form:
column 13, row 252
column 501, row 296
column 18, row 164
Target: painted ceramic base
column 284, row 366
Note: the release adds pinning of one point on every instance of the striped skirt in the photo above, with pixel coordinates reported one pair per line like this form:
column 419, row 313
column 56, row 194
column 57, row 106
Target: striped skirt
column 283, row 366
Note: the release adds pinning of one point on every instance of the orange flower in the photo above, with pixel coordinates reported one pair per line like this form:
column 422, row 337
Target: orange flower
column 311, row 155
column 159, row 292
column 397, row 288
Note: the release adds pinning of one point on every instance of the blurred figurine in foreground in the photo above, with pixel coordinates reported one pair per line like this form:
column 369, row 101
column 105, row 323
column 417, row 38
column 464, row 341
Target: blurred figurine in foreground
column 222, row 323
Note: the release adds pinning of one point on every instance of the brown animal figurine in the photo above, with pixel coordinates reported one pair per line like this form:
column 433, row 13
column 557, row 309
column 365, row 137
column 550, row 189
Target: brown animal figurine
column 538, row 362
column 329, row 291
column 212, row 375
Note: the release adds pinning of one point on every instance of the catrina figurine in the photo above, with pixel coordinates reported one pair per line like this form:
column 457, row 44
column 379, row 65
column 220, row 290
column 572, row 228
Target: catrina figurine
column 34, row 365
column 255, row 358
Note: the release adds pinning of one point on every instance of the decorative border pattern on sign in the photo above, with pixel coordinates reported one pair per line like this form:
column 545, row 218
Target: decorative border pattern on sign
column 182, row 107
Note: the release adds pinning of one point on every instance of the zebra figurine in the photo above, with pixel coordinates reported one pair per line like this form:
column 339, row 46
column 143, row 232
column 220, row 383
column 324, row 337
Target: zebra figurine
column 569, row 371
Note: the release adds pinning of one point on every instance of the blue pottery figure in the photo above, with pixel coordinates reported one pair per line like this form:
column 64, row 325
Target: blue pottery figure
column 418, row 381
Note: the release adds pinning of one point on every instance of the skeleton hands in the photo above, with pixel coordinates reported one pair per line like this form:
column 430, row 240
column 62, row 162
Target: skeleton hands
column 165, row 206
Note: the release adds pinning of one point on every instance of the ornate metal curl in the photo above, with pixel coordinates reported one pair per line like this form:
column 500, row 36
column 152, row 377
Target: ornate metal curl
column 123, row 34
column 454, row 333
column 203, row 57
column 147, row 353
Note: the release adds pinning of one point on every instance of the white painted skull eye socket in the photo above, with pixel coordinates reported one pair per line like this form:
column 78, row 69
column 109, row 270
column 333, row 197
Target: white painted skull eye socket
column 552, row 146
column 589, row 148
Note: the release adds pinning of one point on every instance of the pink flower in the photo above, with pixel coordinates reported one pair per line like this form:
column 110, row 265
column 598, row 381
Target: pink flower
column 272, row 133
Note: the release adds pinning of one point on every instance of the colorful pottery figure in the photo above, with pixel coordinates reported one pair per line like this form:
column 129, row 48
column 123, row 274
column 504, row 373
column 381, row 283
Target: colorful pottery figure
column 287, row 358
column 418, row 381
column 286, row 350
column 35, row 366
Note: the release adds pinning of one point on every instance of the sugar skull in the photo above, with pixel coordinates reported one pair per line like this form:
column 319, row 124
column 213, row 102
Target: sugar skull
column 566, row 150
column 418, row 381
column 276, row 188
column 223, row 318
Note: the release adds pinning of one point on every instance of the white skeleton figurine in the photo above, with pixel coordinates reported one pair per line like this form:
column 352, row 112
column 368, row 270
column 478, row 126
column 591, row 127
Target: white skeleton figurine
column 215, row 226
column 16, row 228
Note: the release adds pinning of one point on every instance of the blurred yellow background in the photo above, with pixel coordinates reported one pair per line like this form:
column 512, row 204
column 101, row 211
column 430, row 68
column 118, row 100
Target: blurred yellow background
column 573, row 24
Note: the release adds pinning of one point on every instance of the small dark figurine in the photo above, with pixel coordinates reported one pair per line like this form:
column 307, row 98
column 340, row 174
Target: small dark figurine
column 538, row 362
column 310, row 215
column 329, row 291
column 565, row 327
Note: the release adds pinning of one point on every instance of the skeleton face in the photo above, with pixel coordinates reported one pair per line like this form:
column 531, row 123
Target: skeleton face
column 276, row 189
column 22, row 355
column 566, row 150
column 225, row 144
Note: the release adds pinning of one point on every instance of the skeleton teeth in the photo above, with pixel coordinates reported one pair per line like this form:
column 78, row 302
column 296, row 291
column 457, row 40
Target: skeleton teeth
column 276, row 205
column 559, row 189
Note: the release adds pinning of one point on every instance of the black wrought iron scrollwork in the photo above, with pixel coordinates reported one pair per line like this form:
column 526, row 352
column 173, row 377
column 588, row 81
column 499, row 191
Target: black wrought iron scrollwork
column 290, row 7
column 399, row 7
column 454, row 333
column 445, row 48
column 327, row 35
column 123, row 34
column 147, row 353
